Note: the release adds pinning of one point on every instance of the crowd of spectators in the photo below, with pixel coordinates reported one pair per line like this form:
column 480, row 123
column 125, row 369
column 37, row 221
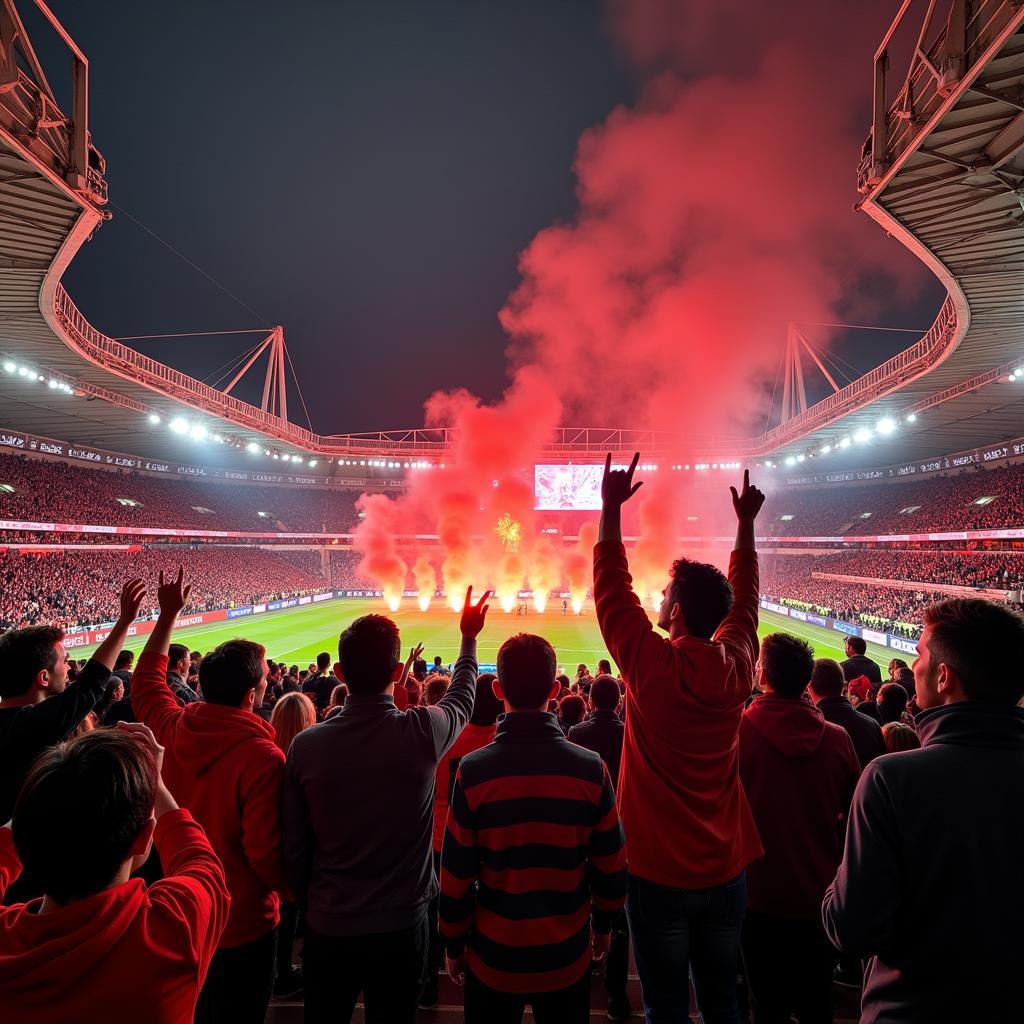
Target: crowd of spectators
column 928, row 505
column 789, row 580
column 75, row 588
column 724, row 787
column 49, row 491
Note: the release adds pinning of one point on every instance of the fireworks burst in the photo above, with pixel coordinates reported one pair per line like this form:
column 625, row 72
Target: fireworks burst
column 509, row 532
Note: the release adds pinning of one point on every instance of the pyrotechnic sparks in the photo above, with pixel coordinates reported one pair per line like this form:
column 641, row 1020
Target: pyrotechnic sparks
column 393, row 600
column 509, row 532
column 540, row 601
column 423, row 601
column 577, row 605
column 507, row 602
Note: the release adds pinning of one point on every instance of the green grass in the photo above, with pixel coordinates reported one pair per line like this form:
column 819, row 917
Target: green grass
column 296, row 636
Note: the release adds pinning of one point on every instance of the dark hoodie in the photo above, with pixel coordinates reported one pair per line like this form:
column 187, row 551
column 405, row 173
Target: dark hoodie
column 929, row 886
column 799, row 773
column 223, row 765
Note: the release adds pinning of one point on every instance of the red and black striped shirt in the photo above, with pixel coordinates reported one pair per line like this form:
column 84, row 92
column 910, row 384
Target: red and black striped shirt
column 533, row 849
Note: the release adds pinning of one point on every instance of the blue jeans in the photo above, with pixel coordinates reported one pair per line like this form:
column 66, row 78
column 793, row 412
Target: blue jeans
column 676, row 931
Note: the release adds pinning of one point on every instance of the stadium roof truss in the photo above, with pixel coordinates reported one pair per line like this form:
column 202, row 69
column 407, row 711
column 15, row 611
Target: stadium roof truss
column 943, row 171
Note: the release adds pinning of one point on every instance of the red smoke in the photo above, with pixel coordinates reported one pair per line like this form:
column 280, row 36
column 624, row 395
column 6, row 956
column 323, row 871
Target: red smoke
column 712, row 211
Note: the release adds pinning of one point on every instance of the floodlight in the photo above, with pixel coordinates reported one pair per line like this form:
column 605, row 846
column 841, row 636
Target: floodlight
column 154, row 419
column 179, row 426
column 252, row 448
column 845, row 443
column 9, row 367
column 862, row 435
column 790, row 461
column 825, row 449
column 886, row 426
column 912, row 418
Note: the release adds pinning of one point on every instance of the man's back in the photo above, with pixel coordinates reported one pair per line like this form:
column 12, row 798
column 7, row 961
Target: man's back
column 533, row 820
column 223, row 765
column 861, row 665
column 799, row 772
column 358, row 808
column 930, row 881
column 603, row 733
column 863, row 730
column 683, row 808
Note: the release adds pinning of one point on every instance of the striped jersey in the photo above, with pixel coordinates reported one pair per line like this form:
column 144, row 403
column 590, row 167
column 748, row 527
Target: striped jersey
column 533, row 851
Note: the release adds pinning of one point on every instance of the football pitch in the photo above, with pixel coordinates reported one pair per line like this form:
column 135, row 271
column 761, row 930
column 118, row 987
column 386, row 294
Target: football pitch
column 297, row 635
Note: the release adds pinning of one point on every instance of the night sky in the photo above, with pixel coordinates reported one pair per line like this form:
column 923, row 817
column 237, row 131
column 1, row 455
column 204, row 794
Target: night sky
column 364, row 173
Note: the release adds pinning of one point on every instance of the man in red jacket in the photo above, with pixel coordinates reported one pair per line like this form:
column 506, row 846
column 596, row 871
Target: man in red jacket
column 690, row 830
column 100, row 945
column 223, row 764
column 799, row 773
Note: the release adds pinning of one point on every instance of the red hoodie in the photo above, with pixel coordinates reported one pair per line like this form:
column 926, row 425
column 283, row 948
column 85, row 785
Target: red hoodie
column 128, row 954
column 686, row 818
column 799, row 772
column 473, row 737
column 223, row 765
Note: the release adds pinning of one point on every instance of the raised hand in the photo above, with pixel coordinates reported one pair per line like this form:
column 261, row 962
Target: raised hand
column 145, row 738
column 473, row 615
column 132, row 594
column 415, row 653
column 748, row 503
column 617, row 486
column 173, row 596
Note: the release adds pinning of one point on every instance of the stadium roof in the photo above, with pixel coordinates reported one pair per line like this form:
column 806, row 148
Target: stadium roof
column 945, row 176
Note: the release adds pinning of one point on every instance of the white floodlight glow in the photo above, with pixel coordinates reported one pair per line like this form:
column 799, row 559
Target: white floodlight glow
column 790, row 461
column 825, row 449
column 252, row 448
column 800, row 457
column 912, row 418
column 885, row 426
column 313, row 462
column 10, row 367
column 53, row 384
column 179, row 426
column 845, row 443
column 154, row 419
column 198, row 432
column 22, row 371
column 863, row 435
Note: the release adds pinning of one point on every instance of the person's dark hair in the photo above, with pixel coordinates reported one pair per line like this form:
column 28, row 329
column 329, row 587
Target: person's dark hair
column 526, row 670
column 703, row 594
column 827, row 678
column 338, row 695
column 419, row 669
column 983, row 643
column 24, row 653
column 323, row 661
column 787, row 663
column 124, row 660
column 230, row 671
column 857, row 644
column 369, row 651
column 899, row 736
column 906, row 680
column 486, row 707
column 93, row 796
column 571, row 710
column 564, row 681
column 175, row 653
column 437, row 660
column 434, row 688
column 604, row 667
column 892, row 702
column 414, row 691
column 604, row 692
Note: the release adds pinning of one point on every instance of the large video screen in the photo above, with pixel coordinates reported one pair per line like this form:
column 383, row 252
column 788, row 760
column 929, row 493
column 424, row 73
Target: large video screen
column 567, row 488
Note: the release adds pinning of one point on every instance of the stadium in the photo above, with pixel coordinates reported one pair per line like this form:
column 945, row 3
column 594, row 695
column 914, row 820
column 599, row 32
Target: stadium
column 886, row 492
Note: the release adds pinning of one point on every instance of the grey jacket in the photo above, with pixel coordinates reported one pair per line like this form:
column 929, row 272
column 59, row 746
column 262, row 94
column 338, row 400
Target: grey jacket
column 358, row 802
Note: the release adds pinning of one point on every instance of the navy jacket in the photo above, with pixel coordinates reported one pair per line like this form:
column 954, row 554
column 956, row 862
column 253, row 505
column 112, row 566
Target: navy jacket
column 863, row 730
column 358, row 808
column 602, row 732
column 929, row 887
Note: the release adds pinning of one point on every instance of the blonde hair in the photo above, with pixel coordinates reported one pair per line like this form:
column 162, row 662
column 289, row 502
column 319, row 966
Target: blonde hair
column 293, row 713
